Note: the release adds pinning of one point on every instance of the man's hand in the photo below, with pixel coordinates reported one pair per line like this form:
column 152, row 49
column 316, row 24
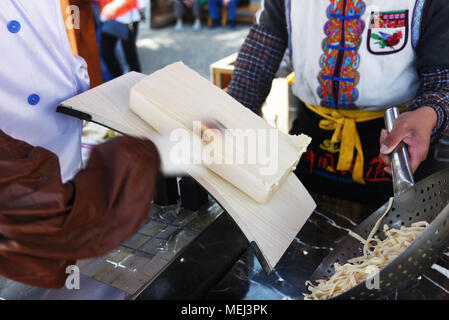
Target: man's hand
column 226, row 2
column 415, row 129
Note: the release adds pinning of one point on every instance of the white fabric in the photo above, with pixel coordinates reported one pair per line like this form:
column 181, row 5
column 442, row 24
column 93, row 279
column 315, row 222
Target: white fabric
column 38, row 60
column 385, row 80
column 126, row 18
column 259, row 12
column 129, row 17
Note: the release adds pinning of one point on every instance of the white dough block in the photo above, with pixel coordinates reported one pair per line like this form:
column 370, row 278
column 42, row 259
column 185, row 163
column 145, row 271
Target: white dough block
column 176, row 97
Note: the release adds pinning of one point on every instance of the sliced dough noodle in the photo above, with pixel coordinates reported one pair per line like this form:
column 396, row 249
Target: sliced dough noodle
column 376, row 255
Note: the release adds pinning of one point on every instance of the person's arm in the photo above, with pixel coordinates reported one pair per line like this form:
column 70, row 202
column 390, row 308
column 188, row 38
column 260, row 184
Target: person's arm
column 427, row 118
column 260, row 56
column 46, row 225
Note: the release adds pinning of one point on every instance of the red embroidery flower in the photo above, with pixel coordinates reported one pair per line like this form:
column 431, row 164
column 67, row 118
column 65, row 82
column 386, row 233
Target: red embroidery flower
column 394, row 39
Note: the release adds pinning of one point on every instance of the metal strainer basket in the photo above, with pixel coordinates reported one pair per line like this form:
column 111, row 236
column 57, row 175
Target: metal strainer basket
column 427, row 200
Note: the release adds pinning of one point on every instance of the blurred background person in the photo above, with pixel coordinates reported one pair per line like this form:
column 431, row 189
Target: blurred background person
column 214, row 12
column 106, row 75
column 120, row 22
column 179, row 12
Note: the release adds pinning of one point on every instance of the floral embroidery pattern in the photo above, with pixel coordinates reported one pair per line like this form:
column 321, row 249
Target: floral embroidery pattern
column 387, row 32
column 387, row 40
column 339, row 63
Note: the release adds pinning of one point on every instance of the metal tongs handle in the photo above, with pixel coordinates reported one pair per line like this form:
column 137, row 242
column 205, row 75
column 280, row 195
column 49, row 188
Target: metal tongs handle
column 402, row 173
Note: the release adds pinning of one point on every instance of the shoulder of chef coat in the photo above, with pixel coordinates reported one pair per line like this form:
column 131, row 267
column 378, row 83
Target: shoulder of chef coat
column 45, row 21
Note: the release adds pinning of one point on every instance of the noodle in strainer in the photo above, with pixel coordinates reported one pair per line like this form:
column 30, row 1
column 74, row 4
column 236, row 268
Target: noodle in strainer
column 376, row 254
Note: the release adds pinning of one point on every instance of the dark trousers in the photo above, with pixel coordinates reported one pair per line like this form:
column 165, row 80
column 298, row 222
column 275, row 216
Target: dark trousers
column 108, row 44
column 214, row 11
column 179, row 9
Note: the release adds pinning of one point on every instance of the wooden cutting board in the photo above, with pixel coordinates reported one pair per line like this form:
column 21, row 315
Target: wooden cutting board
column 270, row 227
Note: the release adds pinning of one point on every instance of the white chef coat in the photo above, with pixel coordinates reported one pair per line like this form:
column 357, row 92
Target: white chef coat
column 37, row 72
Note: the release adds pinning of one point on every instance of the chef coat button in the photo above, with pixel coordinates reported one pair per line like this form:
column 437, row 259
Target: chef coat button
column 14, row 26
column 33, row 99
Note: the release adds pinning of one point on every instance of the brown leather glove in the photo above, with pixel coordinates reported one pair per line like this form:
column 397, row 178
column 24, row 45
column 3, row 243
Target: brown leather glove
column 47, row 225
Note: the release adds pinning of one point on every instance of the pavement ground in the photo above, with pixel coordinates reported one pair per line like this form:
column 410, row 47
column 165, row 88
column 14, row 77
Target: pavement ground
column 197, row 49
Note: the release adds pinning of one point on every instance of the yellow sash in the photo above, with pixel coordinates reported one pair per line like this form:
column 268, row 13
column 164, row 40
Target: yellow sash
column 343, row 123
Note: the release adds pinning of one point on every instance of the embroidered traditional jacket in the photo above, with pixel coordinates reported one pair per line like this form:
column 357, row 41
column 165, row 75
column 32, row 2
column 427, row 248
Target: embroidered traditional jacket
column 353, row 53
column 350, row 54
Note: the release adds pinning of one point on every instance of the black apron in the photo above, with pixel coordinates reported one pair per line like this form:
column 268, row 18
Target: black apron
column 317, row 168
